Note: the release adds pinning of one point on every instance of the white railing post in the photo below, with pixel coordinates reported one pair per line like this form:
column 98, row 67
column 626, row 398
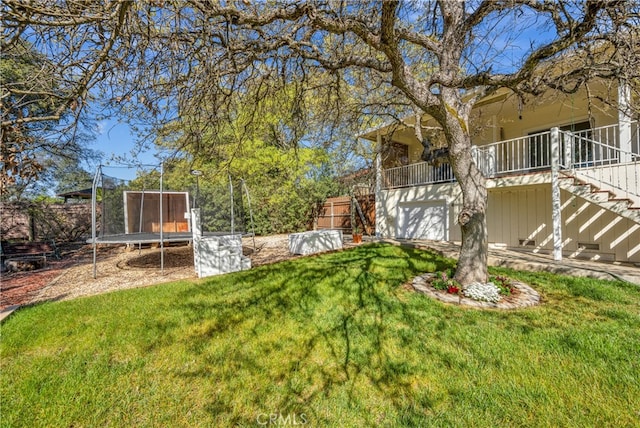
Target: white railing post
column 624, row 121
column 378, row 200
column 567, row 156
column 556, row 210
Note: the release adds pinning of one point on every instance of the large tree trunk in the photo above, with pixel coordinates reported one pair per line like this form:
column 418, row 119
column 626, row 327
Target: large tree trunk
column 472, row 263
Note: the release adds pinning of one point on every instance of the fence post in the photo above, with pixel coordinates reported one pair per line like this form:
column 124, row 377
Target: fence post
column 556, row 209
column 332, row 214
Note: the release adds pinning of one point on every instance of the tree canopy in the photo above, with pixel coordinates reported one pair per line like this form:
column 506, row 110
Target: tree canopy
column 37, row 143
column 161, row 62
column 264, row 146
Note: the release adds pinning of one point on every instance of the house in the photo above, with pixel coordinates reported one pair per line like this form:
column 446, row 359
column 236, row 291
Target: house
column 569, row 161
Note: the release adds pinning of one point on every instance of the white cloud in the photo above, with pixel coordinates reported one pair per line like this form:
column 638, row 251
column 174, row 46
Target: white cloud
column 101, row 127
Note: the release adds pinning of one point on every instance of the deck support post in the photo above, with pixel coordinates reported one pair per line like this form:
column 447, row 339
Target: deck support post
column 624, row 121
column 556, row 206
column 379, row 214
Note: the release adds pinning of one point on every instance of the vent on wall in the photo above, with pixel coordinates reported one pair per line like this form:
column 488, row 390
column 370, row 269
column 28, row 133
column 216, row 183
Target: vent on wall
column 588, row 246
column 527, row 243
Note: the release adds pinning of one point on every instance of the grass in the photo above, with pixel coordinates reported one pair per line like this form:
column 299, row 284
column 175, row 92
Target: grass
column 333, row 340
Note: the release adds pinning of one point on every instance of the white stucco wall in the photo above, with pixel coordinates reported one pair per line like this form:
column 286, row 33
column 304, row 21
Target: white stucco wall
column 392, row 199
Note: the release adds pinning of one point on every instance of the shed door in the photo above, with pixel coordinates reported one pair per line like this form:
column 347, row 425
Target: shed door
column 424, row 220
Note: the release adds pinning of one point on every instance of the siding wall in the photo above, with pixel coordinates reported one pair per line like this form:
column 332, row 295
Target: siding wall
column 524, row 212
column 393, row 198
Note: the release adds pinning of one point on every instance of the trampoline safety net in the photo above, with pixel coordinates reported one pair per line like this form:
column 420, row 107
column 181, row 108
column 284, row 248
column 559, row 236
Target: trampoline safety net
column 139, row 209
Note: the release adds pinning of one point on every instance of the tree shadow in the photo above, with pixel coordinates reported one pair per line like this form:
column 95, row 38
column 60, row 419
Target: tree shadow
column 337, row 322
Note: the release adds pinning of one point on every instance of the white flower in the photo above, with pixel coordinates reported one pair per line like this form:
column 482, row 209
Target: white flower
column 483, row 292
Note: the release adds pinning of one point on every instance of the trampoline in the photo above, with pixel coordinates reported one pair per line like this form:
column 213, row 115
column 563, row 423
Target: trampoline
column 135, row 212
column 142, row 238
column 152, row 238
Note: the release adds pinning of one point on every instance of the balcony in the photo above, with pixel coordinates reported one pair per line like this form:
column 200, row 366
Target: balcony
column 592, row 153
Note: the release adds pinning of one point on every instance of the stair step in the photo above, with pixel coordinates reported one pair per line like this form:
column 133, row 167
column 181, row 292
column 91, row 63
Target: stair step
column 629, row 201
column 622, row 208
column 616, row 202
column 588, row 193
column 607, row 199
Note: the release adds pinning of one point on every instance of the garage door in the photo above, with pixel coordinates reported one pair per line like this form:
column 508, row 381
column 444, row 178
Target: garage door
column 425, row 220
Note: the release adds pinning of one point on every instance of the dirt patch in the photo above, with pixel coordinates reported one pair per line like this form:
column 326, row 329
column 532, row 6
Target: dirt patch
column 269, row 249
column 174, row 257
column 119, row 268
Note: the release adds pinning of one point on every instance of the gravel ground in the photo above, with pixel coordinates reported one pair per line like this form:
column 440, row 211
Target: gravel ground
column 119, row 268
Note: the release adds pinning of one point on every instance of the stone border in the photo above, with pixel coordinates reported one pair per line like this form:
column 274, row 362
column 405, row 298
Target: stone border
column 526, row 298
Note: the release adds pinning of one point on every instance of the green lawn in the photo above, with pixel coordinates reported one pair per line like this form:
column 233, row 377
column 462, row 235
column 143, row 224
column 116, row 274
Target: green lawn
column 333, row 340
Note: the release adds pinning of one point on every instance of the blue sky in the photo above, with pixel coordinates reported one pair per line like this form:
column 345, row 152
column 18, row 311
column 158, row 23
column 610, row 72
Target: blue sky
column 116, row 140
column 506, row 48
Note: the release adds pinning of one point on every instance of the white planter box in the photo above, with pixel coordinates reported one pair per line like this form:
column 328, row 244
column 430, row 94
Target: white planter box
column 212, row 257
column 315, row 241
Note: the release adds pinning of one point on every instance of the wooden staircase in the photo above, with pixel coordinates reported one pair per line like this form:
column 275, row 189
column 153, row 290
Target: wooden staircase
column 606, row 199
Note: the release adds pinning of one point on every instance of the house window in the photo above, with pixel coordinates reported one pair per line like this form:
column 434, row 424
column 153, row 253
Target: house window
column 395, row 154
column 582, row 146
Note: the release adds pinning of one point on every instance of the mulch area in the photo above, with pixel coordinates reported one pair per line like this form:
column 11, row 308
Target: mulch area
column 522, row 295
column 118, row 268
column 19, row 288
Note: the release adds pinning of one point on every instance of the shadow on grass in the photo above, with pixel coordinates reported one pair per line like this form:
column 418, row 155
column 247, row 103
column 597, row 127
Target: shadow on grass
column 334, row 324
column 335, row 338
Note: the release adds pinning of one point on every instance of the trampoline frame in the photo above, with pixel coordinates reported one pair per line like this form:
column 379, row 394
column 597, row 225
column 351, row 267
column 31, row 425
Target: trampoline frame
column 94, row 238
column 154, row 237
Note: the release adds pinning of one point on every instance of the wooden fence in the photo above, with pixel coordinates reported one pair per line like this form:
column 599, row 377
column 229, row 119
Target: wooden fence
column 336, row 214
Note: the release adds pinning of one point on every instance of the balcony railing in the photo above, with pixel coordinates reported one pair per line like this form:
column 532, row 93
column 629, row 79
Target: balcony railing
column 416, row 174
column 584, row 149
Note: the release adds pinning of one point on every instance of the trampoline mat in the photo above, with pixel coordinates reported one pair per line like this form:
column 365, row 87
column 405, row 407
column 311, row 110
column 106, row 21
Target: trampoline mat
column 142, row 238
column 150, row 237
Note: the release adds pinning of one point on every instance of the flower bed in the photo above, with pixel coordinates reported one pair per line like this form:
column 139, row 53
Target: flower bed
column 500, row 292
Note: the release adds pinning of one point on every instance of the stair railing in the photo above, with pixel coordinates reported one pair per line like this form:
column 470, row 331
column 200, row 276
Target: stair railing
column 605, row 166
